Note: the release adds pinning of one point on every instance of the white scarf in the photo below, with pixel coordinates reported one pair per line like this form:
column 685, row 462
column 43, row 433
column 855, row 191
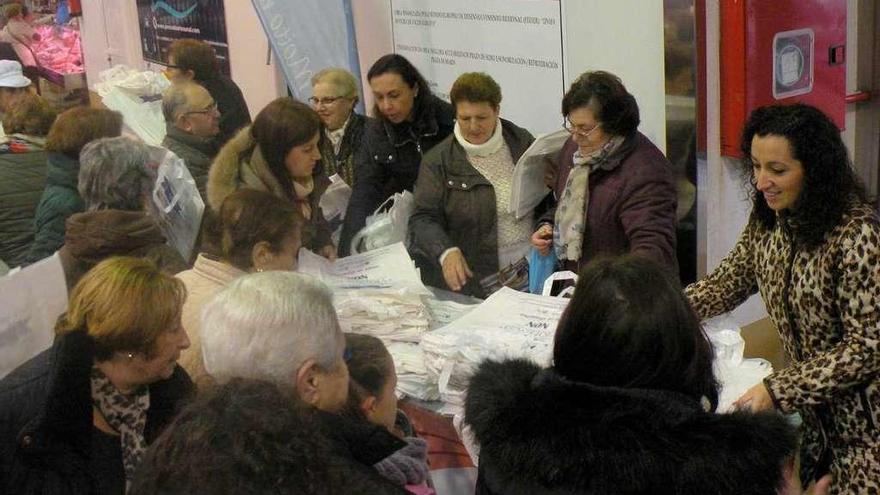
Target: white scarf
column 336, row 136
column 491, row 146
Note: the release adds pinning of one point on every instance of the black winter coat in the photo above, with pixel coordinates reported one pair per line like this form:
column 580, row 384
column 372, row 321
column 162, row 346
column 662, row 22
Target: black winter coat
column 456, row 207
column 233, row 108
column 46, row 419
column 388, row 161
column 542, row 434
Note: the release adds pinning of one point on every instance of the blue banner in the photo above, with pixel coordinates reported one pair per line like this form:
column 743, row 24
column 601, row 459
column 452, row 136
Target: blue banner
column 307, row 36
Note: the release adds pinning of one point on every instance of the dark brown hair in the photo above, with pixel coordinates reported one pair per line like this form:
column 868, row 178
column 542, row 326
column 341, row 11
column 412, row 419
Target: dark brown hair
column 606, row 95
column 283, row 125
column 629, row 325
column 246, row 218
column 79, row 126
column 369, row 369
column 476, row 87
column 830, row 183
column 195, row 55
column 30, row 115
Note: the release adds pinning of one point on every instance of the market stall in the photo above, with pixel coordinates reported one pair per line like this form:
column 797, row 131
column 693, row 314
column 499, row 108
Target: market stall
column 60, row 65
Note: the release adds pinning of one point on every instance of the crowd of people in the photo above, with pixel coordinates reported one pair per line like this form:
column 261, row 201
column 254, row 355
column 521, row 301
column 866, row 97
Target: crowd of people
column 229, row 373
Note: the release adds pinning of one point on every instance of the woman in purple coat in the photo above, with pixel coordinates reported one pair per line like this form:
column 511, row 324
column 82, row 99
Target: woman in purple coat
column 615, row 190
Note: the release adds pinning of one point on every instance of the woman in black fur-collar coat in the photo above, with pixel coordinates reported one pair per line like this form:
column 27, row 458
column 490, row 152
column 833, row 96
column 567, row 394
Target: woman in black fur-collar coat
column 624, row 408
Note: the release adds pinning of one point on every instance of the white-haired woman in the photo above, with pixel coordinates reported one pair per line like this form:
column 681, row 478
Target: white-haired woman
column 115, row 181
column 281, row 327
column 334, row 96
column 278, row 326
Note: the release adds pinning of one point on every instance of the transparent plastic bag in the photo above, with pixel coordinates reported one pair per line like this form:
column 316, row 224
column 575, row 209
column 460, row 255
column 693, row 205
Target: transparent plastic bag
column 385, row 227
column 177, row 204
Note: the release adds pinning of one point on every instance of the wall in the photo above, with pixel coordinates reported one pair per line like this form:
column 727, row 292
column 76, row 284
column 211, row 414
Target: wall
column 594, row 39
column 372, row 26
column 111, row 36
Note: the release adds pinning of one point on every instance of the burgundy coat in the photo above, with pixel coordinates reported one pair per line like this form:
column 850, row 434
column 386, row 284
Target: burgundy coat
column 631, row 206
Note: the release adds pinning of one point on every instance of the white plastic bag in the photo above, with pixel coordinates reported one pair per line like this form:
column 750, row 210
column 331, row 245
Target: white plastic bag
column 138, row 97
column 177, row 205
column 33, row 298
column 385, row 227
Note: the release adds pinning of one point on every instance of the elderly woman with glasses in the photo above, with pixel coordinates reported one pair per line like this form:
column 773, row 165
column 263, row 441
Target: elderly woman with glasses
column 115, row 181
column 460, row 229
column 615, row 190
column 334, row 96
column 77, row 418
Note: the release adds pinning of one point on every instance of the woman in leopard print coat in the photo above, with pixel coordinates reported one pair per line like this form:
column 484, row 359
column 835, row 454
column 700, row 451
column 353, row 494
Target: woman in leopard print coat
column 812, row 249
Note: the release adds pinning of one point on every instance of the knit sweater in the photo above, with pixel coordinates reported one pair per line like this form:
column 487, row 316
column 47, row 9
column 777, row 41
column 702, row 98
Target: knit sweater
column 513, row 234
column 206, row 278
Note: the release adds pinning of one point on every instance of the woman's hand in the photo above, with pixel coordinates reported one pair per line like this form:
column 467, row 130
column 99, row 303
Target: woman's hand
column 542, row 239
column 755, row 399
column 329, row 252
column 792, row 485
column 456, row 271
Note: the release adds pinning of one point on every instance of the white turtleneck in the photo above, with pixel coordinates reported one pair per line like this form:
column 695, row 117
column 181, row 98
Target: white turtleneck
column 494, row 161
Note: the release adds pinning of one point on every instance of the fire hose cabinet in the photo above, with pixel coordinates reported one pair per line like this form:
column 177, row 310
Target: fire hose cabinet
column 780, row 52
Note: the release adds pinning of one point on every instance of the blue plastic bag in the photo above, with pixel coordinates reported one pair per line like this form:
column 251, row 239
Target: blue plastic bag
column 540, row 267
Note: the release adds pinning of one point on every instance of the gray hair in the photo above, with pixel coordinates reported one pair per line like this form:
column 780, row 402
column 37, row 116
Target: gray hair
column 175, row 99
column 267, row 325
column 115, row 173
column 344, row 81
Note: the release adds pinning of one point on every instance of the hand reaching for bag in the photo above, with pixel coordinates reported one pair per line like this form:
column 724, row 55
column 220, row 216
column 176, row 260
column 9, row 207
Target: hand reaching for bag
column 456, row 271
column 542, row 239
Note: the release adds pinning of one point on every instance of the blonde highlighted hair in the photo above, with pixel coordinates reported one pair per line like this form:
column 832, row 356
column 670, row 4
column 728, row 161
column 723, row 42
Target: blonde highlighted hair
column 343, row 80
column 124, row 304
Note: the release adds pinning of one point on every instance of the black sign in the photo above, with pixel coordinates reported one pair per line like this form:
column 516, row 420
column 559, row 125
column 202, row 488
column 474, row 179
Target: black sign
column 163, row 21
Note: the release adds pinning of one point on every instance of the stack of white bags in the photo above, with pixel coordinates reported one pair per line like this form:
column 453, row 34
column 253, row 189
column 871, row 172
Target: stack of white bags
column 380, row 293
column 509, row 324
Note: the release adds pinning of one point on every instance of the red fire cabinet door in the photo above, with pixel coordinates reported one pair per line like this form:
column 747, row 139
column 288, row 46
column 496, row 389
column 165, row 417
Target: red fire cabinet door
column 780, row 51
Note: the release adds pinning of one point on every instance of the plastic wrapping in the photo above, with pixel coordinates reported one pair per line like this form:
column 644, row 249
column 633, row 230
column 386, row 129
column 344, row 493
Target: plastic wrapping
column 138, row 97
column 176, row 204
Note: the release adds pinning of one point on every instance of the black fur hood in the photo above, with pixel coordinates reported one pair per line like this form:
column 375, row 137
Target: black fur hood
column 540, row 433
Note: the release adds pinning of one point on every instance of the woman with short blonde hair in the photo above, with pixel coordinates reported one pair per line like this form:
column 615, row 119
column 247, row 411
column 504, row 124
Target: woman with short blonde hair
column 78, row 417
column 334, row 96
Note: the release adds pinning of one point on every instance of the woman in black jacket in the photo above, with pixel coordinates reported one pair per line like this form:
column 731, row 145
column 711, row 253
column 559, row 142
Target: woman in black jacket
column 627, row 405
column 78, row 417
column 409, row 122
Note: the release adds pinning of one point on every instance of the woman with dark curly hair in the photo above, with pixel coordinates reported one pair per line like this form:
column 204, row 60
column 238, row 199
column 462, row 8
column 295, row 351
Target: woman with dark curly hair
column 812, row 249
column 615, row 190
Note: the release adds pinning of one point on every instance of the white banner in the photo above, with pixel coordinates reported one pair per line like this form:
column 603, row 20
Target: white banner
column 517, row 42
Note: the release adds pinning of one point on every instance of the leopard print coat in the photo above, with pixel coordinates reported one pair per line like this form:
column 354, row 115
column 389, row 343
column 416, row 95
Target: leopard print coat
column 825, row 303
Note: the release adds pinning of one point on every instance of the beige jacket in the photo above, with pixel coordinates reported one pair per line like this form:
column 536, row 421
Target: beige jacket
column 206, row 278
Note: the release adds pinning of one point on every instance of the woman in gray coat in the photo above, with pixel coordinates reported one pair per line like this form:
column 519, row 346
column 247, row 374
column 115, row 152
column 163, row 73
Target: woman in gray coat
column 460, row 230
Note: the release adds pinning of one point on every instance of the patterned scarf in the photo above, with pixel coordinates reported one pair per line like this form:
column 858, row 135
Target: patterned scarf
column 571, row 214
column 126, row 414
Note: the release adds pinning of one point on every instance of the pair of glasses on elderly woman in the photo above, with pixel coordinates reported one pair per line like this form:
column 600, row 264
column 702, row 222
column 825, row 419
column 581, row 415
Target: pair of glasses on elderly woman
column 326, row 101
column 578, row 130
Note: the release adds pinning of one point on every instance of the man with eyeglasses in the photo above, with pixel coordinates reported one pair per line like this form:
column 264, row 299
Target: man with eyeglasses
column 192, row 122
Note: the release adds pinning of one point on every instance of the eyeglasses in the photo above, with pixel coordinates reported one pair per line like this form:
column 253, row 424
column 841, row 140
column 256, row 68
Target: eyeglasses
column 326, row 101
column 210, row 108
column 578, row 129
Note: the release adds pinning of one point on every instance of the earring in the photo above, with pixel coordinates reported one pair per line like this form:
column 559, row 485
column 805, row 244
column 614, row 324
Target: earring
column 259, row 270
column 130, row 356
